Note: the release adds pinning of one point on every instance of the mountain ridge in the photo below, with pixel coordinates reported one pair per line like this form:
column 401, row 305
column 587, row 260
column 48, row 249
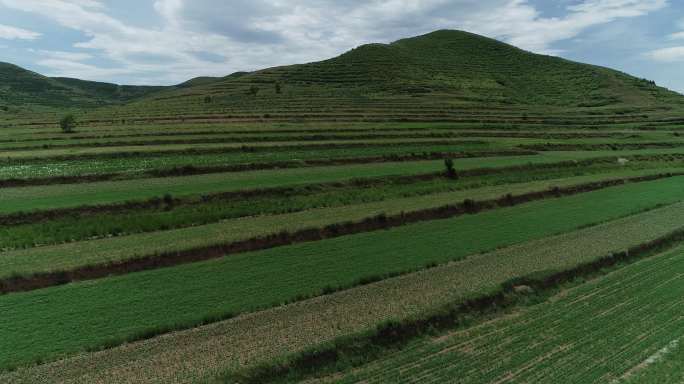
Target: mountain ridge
column 446, row 67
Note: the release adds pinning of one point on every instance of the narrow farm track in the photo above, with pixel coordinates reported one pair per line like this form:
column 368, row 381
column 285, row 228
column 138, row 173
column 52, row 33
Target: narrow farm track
column 208, row 351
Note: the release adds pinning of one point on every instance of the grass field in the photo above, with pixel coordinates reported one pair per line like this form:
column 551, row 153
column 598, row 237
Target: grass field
column 440, row 209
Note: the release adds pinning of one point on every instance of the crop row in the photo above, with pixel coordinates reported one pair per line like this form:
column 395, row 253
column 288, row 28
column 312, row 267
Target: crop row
column 595, row 333
column 259, row 338
column 100, row 138
column 35, row 279
column 87, row 223
column 74, row 317
column 51, row 197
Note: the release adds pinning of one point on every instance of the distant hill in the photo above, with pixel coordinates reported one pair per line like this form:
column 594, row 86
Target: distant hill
column 21, row 87
column 440, row 70
column 414, row 78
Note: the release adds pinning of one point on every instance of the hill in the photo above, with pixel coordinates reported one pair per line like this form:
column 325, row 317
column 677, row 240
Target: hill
column 436, row 76
column 438, row 71
column 21, row 87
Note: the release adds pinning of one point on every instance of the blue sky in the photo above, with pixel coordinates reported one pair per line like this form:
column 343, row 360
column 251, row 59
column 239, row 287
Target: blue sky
column 170, row 41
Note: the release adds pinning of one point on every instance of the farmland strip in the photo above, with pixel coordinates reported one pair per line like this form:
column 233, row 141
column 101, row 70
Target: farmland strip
column 258, row 338
column 123, row 151
column 199, row 170
column 18, row 210
column 380, row 222
column 616, row 322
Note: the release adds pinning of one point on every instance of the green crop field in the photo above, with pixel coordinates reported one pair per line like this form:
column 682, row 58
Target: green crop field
column 444, row 208
column 599, row 332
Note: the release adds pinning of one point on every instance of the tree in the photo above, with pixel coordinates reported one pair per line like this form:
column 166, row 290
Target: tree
column 450, row 170
column 207, row 99
column 278, row 88
column 68, row 123
column 253, row 90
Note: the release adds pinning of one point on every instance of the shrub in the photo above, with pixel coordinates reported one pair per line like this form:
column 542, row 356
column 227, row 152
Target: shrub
column 450, row 170
column 68, row 123
column 278, row 88
column 254, row 90
column 207, row 100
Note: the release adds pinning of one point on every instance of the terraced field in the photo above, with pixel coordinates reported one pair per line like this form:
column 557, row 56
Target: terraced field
column 408, row 224
column 602, row 331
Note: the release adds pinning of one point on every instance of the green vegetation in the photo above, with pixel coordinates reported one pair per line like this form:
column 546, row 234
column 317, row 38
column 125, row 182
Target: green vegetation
column 62, row 257
column 627, row 317
column 196, row 353
column 26, row 89
column 68, row 123
column 74, row 317
column 404, row 211
column 386, row 195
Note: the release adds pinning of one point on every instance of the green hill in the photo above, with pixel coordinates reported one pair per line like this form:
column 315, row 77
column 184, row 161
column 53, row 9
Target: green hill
column 417, row 77
column 21, row 87
column 429, row 77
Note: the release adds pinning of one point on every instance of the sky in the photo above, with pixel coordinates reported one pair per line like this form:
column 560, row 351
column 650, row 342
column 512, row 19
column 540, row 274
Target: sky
column 164, row 42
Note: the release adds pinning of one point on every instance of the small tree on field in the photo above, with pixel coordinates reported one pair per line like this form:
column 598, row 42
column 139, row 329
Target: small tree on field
column 278, row 88
column 68, row 123
column 207, row 99
column 254, row 90
column 450, row 170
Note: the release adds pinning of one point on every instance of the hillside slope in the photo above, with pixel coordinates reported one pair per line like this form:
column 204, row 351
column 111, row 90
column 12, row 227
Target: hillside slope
column 21, row 87
column 436, row 76
column 437, row 71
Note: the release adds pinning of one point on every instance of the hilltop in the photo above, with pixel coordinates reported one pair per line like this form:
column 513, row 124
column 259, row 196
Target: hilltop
column 424, row 77
column 21, row 87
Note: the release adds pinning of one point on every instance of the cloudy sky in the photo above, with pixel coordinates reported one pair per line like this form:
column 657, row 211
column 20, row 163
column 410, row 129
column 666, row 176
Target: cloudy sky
column 170, row 41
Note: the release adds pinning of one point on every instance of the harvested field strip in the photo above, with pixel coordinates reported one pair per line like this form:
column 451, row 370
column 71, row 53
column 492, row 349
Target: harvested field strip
column 42, row 144
column 248, row 140
column 34, row 278
column 592, row 334
column 117, row 151
column 538, row 142
column 601, row 147
column 259, row 338
column 195, row 170
column 141, row 304
column 170, row 150
column 83, row 137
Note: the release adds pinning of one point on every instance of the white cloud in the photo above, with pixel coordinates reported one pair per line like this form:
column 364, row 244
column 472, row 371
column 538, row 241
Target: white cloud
column 251, row 34
column 676, row 36
column 13, row 33
column 667, row 55
column 61, row 55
